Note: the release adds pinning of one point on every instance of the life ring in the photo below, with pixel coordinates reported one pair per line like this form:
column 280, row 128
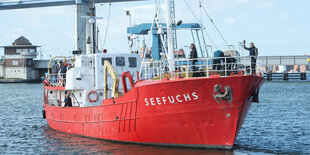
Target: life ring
column 92, row 92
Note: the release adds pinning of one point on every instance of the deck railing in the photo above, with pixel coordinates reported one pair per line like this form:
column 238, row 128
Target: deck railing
column 57, row 80
column 200, row 67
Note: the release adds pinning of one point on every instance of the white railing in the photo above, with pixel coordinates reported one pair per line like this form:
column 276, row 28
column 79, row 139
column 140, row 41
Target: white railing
column 56, row 80
column 201, row 67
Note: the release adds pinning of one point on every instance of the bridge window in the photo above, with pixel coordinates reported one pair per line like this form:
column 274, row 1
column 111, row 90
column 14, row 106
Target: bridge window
column 103, row 59
column 120, row 61
column 132, row 61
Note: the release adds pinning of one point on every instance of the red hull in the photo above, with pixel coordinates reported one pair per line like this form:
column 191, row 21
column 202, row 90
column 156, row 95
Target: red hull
column 181, row 112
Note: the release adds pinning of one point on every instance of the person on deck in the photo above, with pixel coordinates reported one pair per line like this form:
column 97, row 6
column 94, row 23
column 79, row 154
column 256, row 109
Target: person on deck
column 68, row 101
column 55, row 70
column 62, row 73
column 193, row 56
column 69, row 66
column 217, row 58
column 63, row 68
column 253, row 54
column 179, row 54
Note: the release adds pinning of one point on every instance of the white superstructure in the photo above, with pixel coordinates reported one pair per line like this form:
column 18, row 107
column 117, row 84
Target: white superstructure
column 80, row 80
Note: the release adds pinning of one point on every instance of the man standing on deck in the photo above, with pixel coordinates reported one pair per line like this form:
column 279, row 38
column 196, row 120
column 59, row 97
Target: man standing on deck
column 193, row 56
column 68, row 101
column 55, row 70
column 63, row 68
column 62, row 73
column 253, row 54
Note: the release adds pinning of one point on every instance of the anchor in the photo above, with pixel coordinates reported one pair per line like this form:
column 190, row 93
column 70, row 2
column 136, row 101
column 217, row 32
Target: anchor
column 219, row 96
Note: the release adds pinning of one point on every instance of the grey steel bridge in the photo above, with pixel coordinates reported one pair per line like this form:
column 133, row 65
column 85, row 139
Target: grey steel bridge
column 82, row 9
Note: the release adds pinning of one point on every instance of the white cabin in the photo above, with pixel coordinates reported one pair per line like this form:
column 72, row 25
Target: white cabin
column 85, row 77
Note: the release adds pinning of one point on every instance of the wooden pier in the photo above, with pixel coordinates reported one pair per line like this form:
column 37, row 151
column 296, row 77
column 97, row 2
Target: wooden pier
column 285, row 76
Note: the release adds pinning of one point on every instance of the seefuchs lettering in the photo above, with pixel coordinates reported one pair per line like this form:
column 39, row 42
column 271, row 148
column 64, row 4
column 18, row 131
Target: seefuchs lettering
column 171, row 99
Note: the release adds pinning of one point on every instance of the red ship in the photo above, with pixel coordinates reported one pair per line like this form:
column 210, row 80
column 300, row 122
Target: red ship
column 169, row 105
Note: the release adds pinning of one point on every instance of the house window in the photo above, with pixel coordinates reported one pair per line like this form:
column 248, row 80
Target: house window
column 109, row 59
column 19, row 50
column 29, row 62
column 14, row 62
column 32, row 50
column 132, row 61
column 120, row 61
column 25, row 50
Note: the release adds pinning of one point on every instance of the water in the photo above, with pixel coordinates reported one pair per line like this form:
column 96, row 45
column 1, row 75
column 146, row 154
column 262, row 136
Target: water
column 278, row 125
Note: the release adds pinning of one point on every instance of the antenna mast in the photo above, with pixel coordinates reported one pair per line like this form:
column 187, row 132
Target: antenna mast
column 169, row 31
column 91, row 36
column 93, row 24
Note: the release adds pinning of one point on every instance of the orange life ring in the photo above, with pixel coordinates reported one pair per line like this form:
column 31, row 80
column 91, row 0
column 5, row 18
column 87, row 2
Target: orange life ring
column 92, row 92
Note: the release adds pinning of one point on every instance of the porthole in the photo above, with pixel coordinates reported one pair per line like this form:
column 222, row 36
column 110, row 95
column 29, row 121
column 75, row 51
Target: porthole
column 100, row 94
column 120, row 61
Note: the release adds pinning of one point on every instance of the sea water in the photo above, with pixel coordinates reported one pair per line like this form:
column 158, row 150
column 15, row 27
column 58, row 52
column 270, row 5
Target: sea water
column 279, row 124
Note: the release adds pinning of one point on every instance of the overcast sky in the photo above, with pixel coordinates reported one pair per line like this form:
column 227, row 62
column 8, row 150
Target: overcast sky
column 277, row 27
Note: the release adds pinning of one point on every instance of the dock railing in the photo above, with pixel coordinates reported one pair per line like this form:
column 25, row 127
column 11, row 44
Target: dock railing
column 201, row 67
column 285, row 60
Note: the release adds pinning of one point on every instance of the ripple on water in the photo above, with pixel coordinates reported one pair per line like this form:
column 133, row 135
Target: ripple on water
column 279, row 124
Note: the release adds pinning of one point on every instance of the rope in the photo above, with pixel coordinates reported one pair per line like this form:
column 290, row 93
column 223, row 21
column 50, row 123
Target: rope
column 150, row 35
column 106, row 31
column 80, row 35
column 162, row 40
column 211, row 20
column 199, row 23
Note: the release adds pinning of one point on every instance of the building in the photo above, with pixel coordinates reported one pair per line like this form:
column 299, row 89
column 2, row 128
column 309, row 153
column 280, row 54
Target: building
column 18, row 61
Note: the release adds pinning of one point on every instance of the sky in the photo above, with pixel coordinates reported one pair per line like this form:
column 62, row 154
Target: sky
column 277, row 27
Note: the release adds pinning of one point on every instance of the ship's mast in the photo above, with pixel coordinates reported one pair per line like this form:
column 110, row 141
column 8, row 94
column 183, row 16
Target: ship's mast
column 170, row 38
column 93, row 24
column 91, row 47
column 91, row 34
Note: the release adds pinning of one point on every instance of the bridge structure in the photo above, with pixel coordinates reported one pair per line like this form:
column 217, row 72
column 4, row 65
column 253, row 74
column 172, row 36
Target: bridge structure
column 82, row 8
column 143, row 29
